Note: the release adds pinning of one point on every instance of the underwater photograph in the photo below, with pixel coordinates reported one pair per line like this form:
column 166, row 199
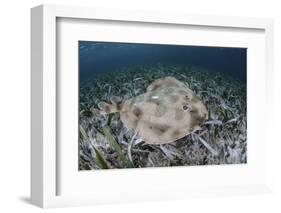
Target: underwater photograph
column 156, row 105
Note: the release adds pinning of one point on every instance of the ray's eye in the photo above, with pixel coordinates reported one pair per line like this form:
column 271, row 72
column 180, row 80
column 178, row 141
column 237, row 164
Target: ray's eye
column 186, row 108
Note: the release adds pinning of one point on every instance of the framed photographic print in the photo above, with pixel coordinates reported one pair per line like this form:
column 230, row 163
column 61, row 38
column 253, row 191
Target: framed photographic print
column 130, row 106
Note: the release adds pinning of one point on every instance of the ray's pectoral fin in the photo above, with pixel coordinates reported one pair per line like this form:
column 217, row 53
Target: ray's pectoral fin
column 195, row 128
column 153, row 133
column 164, row 82
column 132, row 117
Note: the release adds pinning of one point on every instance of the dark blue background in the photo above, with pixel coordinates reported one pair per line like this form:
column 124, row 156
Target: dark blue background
column 98, row 57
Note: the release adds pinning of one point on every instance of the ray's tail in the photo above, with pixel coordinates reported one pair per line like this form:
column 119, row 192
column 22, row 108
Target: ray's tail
column 115, row 106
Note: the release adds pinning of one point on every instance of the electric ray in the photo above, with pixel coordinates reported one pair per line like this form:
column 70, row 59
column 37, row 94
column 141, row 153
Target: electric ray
column 168, row 111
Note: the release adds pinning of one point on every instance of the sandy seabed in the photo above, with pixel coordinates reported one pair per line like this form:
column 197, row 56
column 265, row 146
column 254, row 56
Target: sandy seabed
column 104, row 142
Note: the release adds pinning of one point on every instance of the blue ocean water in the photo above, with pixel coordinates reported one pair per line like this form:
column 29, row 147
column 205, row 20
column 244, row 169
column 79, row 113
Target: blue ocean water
column 99, row 57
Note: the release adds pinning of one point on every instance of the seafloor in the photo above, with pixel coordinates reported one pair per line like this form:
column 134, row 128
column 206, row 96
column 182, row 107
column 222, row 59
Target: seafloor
column 104, row 141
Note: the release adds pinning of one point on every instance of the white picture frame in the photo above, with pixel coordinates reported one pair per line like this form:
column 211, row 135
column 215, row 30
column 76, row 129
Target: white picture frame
column 45, row 174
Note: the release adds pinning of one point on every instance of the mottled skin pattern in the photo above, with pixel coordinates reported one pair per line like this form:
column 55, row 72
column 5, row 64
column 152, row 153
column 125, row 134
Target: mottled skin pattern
column 168, row 111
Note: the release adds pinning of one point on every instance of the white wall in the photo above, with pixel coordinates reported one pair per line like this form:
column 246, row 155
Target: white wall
column 15, row 98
